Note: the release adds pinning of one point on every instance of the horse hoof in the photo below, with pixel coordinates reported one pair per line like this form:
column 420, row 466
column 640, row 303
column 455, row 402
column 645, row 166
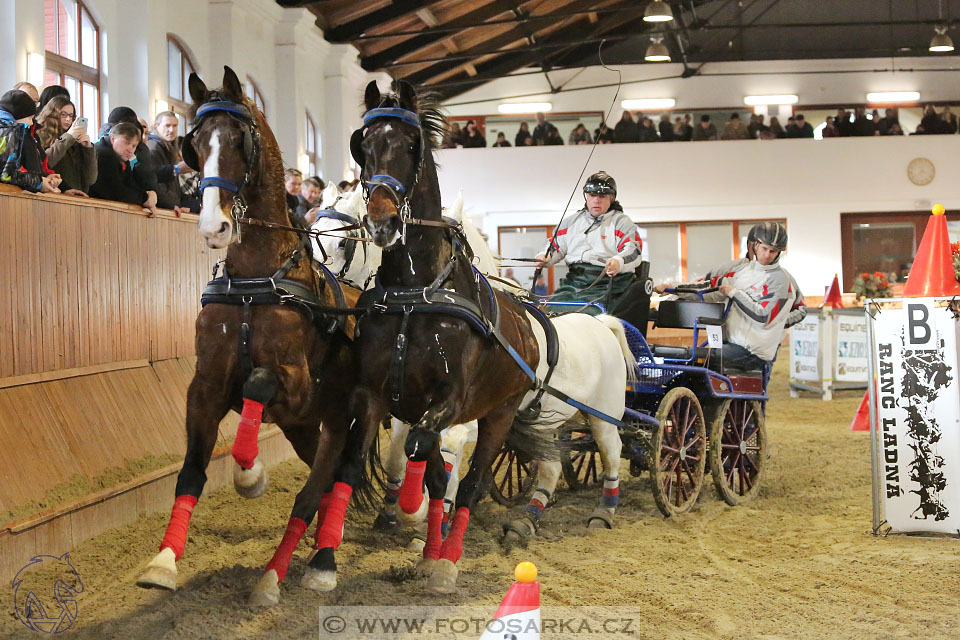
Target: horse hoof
column 425, row 566
column 600, row 519
column 161, row 573
column 418, row 516
column 443, row 580
column 318, row 580
column 416, row 545
column 267, row 591
column 517, row 533
column 385, row 522
column 252, row 482
column 511, row 541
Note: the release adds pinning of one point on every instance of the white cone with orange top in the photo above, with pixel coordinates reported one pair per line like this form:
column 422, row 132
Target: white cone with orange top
column 518, row 617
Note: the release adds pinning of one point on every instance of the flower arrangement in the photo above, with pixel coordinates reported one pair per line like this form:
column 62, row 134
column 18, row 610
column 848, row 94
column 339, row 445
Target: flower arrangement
column 955, row 250
column 872, row 285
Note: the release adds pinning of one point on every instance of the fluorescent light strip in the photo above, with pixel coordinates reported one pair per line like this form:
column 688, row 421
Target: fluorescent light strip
column 755, row 101
column 893, row 96
column 524, row 107
column 648, row 103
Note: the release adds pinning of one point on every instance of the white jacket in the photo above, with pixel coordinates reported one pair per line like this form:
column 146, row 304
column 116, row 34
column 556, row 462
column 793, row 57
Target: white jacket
column 583, row 238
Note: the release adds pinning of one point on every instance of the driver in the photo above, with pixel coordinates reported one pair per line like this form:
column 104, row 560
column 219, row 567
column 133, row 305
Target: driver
column 599, row 239
column 762, row 296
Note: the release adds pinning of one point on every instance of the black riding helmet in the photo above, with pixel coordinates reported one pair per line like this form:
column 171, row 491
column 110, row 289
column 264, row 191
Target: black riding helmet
column 600, row 183
column 770, row 233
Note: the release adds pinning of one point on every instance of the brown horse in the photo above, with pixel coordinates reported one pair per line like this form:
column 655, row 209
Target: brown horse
column 261, row 350
column 428, row 369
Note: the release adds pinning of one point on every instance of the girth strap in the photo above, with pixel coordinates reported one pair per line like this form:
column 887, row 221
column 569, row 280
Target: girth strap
column 399, row 357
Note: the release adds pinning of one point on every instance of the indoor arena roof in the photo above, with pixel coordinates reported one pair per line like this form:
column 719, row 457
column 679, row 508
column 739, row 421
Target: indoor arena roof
column 456, row 45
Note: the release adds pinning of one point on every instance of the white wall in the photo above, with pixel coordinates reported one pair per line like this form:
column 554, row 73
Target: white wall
column 722, row 84
column 281, row 49
column 808, row 182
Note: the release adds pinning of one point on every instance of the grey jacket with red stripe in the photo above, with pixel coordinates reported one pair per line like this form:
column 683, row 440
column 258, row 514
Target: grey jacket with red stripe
column 583, row 238
column 765, row 301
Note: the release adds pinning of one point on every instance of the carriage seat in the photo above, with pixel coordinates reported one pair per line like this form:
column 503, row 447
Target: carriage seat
column 683, row 314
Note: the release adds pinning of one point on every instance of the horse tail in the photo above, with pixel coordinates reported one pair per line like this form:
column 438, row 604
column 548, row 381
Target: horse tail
column 371, row 485
column 530, row 442
column 616, row 327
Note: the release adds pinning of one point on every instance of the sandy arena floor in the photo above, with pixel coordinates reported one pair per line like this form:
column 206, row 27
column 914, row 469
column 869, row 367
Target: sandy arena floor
column 798, row 562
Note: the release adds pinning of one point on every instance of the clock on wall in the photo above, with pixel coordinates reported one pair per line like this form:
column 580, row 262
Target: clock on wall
column 921, row 171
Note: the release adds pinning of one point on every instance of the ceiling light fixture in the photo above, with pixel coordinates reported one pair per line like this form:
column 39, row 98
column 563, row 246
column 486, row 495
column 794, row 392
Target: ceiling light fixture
column 756, row 101
column 658, row 11
column 648, row 103
column 891, row 97
column 657, row 51
column 524, row 107
column 941, row 42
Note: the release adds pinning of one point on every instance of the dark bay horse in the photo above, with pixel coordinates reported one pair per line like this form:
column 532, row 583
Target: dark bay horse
column 279, row 363
column 429, row 370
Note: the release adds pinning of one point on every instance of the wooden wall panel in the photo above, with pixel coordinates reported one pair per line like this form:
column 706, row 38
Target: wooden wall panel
column 87, row 282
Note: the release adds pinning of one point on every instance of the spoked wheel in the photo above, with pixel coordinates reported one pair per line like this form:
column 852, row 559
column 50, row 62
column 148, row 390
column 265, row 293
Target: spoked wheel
column 679, row 452
column 513, row 477
column 581, row 464
column 738, row 450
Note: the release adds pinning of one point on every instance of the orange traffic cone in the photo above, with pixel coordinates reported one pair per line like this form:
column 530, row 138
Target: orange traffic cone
column 861, row 421
column 833, row 297
column 932, row 272
column 519, row 614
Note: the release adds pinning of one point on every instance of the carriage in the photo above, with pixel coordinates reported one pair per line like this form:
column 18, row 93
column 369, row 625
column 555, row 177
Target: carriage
column 684, row 415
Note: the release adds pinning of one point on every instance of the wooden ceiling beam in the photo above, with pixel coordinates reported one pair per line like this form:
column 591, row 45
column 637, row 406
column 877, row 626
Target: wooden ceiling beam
column 350, row 31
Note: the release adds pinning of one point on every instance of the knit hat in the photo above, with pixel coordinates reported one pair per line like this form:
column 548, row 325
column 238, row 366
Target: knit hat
column 124, row 114
column 18, row 104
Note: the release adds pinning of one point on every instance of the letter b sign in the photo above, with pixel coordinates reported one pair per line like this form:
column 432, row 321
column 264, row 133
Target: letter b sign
column 920, row 328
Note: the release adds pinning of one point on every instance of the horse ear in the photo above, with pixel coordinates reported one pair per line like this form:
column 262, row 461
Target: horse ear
column 456, row 211
column 198, row 90
column 231, row 85
column 329, row 195
column 371, row 96
column 406, row 93
column 356, row 150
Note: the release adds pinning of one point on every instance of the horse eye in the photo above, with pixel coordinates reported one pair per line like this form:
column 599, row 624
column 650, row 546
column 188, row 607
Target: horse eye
column 343, row 243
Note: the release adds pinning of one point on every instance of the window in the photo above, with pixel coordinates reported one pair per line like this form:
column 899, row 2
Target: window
column 253, row 92
column 72, row 42
column 179, row 67
column 311, row 147
column 527, row 242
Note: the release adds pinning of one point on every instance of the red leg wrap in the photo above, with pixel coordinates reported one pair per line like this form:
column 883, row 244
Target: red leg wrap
column 176, row 536
column 331, row 533
column 245, row 444
column 453, row 545
column 321, row 515
column 280, row 561
column 411, row 493
column 435, row 518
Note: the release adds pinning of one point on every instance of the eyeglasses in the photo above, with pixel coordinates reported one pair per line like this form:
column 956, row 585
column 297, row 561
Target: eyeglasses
column 68, row 116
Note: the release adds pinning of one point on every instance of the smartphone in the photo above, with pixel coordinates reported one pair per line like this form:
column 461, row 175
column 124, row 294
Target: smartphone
column 82, row 122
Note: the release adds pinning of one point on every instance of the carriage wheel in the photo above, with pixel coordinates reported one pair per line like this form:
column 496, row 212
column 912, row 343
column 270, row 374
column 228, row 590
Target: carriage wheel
column 679, row 452
column 581, row 464
column 738, row 450
column 513, row 477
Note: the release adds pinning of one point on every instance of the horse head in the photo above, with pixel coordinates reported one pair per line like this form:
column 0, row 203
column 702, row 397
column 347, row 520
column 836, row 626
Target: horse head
column 224, row 145
column 393, row 147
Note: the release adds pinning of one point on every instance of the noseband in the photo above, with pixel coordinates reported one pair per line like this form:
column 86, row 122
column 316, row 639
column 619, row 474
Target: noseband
column 350, row 249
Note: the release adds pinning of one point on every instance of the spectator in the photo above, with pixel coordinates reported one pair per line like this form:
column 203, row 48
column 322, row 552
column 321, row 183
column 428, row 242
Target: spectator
column 665, row 128
column 753, row 129
column 862, row 125
column 528, row 141
column 342, row 186
column 884, row 123
column 803, row 128
column 776, row 129
column 792, row 128
column 49, row 93
column 522, row 135
column 949, row 121
column 115, row 176
column 67, row 146
column 895, row 130
column 706, row 130
column 930, row 124
column 144, row 172
column 454, row 137
column 648, row 131
column 735, row 129
column 310, row 192
column 541, row 130
column 21, row 158
column 165, row 153
column 30, row 90
column 553, row 136
column 472, row 138
column 501, row 140
column 292, row 180
column 626, row 130
column 830, row 129
column 844, row 123
column 603, row 134
column 580, row 135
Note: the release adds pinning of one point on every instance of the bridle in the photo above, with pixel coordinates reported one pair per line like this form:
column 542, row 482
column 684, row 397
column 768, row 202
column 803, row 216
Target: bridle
column 350, row 248
column 251, row 149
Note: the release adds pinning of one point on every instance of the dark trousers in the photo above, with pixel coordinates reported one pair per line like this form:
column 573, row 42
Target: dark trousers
column 736, row 357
